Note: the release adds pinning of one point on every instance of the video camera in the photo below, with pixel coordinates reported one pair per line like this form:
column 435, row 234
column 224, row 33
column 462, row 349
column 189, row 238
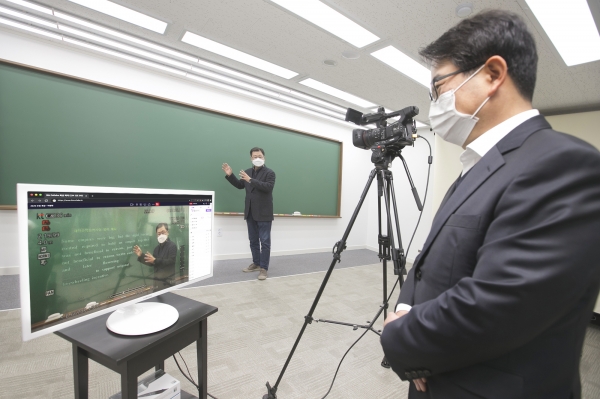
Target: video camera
column 384, row 141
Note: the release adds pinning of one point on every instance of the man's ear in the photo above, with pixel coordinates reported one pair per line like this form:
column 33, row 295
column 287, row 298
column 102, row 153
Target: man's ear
column 496, row 71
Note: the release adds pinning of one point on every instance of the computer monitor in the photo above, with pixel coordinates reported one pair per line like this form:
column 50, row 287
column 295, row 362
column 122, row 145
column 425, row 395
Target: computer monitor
column 85, row 251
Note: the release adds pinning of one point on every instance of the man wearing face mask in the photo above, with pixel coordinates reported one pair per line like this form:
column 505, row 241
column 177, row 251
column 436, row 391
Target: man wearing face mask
column 258, row 211
column 162, row 258
column 497, row 303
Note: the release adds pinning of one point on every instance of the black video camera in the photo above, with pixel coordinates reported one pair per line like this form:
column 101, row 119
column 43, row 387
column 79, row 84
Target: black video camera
column 385, row 140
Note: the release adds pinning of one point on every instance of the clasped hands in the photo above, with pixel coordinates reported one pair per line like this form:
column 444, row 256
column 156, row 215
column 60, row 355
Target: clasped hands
column 420, row 383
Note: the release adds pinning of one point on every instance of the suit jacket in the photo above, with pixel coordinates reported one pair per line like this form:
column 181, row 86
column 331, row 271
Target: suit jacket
column 504, row 287
column 165, row 255
column 259, row 193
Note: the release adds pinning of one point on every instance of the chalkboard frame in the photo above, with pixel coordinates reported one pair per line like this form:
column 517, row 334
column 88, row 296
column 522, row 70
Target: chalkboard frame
column 193, row 106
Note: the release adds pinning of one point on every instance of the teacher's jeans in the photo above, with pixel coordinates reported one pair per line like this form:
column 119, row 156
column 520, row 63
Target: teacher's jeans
column 259, row 234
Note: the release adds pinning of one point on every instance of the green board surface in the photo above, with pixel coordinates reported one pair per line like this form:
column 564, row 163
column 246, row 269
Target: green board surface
column 83, row 260
column 58, row 130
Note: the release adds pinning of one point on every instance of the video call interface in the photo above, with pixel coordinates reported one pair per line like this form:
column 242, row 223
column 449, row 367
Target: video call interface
column 90, row 251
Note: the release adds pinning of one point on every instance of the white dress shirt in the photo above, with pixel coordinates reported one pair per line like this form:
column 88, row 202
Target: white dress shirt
column 480, row 146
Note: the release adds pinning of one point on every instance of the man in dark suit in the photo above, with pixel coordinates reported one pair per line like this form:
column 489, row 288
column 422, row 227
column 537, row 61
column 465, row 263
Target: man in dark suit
column 258, row 211
column 497, row 303
column 162, row 258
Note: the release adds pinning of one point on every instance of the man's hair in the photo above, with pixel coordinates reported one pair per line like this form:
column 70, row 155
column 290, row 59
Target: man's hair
column 257, row 149
column 166, row 226
column 470, row 43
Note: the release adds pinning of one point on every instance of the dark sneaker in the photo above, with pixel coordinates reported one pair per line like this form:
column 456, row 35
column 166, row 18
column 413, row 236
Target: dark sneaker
column 251, row 268
column 263, row 274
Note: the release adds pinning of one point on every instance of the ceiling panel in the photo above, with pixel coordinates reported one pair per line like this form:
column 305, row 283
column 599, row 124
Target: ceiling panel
column 267, row 31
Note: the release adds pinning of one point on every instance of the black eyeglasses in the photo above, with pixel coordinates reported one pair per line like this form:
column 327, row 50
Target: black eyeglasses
column 433, row 93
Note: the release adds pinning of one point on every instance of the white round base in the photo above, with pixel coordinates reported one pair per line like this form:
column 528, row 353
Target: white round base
column 142, row 318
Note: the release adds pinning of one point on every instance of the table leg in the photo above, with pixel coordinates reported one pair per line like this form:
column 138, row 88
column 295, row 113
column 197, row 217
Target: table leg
column 80, row 372
column 128, row 384
column 201, row 352
column 160, row 366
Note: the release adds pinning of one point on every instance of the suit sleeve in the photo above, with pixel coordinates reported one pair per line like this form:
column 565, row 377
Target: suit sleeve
column 266, row 185
column 141, row 260
column 235, row 182
column 537, row 263
column 406, row 293
column 169, row 259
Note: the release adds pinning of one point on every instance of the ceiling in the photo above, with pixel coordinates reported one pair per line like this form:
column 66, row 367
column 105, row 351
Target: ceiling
column 267, row 31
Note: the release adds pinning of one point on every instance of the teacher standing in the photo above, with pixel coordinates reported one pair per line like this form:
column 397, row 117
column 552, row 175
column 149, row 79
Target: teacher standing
column 258, row 211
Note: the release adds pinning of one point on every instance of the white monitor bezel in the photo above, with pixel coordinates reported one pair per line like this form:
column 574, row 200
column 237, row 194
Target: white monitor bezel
column 22, row 217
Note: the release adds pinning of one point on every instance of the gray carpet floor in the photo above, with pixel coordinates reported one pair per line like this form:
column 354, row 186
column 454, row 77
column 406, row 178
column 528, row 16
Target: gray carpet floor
column 230, row 271
column 250, row 337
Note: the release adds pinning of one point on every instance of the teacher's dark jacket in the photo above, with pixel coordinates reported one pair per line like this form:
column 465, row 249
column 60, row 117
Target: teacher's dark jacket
column 165, row 255
column 504, row 287
column 259, row 192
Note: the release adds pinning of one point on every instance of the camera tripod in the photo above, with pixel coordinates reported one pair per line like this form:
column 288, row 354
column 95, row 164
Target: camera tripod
column 387, row 251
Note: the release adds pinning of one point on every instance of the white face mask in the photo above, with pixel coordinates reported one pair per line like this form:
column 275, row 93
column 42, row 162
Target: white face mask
column 452, row 126
column 162, row 238
column 258, row 162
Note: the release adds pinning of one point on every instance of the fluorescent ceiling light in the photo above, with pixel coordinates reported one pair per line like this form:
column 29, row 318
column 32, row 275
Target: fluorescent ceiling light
column 332, row 21
column 226, row 86
column 306, row 111
column 235, row 82
column 27, row 17
column 236, row 55
column 273, row 86
column 32, row 6
column 124, row 13
column 571, row 28
column 124, row 56
column 123, row 36
column 337, row 93
column 304, row 104
column 321, row 102
column 244, row 76
column 125, row 47
column 29, row 28
column 403, row 63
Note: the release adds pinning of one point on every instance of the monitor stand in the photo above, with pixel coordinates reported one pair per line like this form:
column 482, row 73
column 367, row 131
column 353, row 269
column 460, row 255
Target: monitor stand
column 142, row 318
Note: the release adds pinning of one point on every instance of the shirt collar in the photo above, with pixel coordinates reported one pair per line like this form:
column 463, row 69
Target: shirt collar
column 482, row 144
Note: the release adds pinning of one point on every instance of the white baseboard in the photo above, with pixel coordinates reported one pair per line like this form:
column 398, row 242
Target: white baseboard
column 284, row 253
column 9, row 270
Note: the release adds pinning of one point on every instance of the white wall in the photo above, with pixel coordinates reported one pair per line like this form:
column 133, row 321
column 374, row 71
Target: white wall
column 289, row 235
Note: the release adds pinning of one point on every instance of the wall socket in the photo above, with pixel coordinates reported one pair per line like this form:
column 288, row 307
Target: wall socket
column 219, row 233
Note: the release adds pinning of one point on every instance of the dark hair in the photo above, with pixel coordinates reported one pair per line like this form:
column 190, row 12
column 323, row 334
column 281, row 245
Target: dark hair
column 257, row 149
column 166, row 226
column 470, row 43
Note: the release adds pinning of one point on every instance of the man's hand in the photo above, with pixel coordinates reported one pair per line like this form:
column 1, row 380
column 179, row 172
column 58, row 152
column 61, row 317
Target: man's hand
column 137, row 250
column 244, row 176
column 227, row 169
column 420, row 383
column 394, row 316
column 148, row 258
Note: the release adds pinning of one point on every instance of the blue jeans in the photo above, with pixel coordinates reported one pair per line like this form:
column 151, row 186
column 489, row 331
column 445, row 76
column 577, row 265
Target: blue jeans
column 259, row 234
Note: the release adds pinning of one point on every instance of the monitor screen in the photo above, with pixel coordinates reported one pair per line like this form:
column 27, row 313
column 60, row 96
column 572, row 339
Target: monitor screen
column 85, row 251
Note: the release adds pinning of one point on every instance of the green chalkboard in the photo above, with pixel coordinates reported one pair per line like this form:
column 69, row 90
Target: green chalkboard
column 60, row 130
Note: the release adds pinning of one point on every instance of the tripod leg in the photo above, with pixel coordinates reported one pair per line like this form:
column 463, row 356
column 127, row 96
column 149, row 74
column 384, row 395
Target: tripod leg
column 338, row 248
column 398, row 257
